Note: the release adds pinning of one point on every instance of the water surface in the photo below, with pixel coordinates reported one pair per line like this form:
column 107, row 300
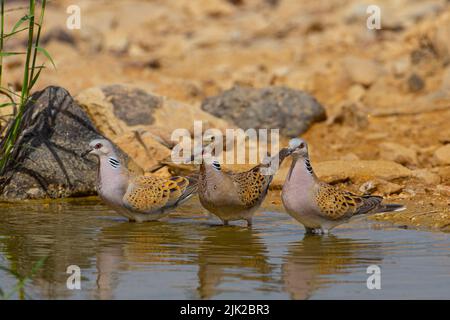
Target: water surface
column 189, row 256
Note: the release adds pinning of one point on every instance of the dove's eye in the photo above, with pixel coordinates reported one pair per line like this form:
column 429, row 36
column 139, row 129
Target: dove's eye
column 302, row 145
column 98, row 146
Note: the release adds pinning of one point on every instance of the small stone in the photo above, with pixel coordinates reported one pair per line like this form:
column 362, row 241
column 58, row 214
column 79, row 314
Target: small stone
column 381, row 186
column 368, row 187
column 350, row 114
column 444, row 173
column 409, row 193
column 443, row 189
column 398, row 153
column 281, row 71
column 442, row 155
column 362, row 71
column 427, row 176
column 355, row 93
column 401, row 66
column 445, row 87
column 376, row 136
column 349, row 157
column 440, row 38
column 154, row 63
column 419, row 55
column 34, row 193
column 116, row 42
column 387, row 188
column 415, row 83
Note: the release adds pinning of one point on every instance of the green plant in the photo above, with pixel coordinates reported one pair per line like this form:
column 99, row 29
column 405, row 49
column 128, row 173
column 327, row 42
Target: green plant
column 2, row 31
column 21, row 280
column 31, row 74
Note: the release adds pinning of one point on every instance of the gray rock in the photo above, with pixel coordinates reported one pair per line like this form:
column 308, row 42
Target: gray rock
column 47, row 163
column 291, row 111
column 134, row 106
column 58, row 34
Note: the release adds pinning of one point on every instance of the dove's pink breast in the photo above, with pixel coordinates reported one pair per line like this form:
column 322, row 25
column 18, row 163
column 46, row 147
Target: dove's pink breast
column 298, row 196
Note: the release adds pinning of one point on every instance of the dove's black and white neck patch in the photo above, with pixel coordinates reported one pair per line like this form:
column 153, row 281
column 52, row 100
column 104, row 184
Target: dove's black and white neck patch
column 216, row 165
column 308, row 166
column 114, row 162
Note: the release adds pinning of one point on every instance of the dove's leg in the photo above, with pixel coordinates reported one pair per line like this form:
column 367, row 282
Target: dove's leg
column 309, row 230
column 249, row 222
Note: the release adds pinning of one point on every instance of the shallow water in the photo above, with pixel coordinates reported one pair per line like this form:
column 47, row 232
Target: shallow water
column 190, row 256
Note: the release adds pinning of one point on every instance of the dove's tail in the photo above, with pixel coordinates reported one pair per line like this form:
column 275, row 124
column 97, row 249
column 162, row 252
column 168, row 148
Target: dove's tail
column 190, row 189
column 391, row 207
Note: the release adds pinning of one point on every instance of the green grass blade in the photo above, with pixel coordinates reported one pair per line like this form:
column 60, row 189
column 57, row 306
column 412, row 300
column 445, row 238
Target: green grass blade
column 2, row 31
column 22, row 20
column 21, row 280
column 6, row 54
column 37, row 266
column 3, row 105
column 35, row 77
column 40, row 67
column 8, row 95
column 26, row 74
column 13, row 33
column 9, row 91
column 38, row 37
column 45, row 52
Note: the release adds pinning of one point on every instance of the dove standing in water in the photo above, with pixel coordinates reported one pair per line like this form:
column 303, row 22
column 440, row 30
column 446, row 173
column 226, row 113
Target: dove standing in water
column 122, row 185
column 317, row 205
column 235, row 196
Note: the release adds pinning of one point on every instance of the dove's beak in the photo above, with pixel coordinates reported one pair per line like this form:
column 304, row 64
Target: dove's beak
column 289, row 151
column 285, row 152
column 85, row 153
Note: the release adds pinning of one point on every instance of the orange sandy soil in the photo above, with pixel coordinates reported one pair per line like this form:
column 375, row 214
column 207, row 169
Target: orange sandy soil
column 188, row 50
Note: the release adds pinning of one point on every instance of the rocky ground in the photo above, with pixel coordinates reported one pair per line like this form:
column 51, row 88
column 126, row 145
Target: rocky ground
column 386, row 93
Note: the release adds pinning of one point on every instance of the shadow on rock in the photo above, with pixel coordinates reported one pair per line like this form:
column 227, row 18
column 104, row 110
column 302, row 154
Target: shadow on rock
column 46, row 162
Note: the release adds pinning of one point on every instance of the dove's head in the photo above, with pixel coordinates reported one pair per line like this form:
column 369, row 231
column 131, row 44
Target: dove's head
column 212, row 143
column 99, row 147
column 298, row 148
column 208, row 139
